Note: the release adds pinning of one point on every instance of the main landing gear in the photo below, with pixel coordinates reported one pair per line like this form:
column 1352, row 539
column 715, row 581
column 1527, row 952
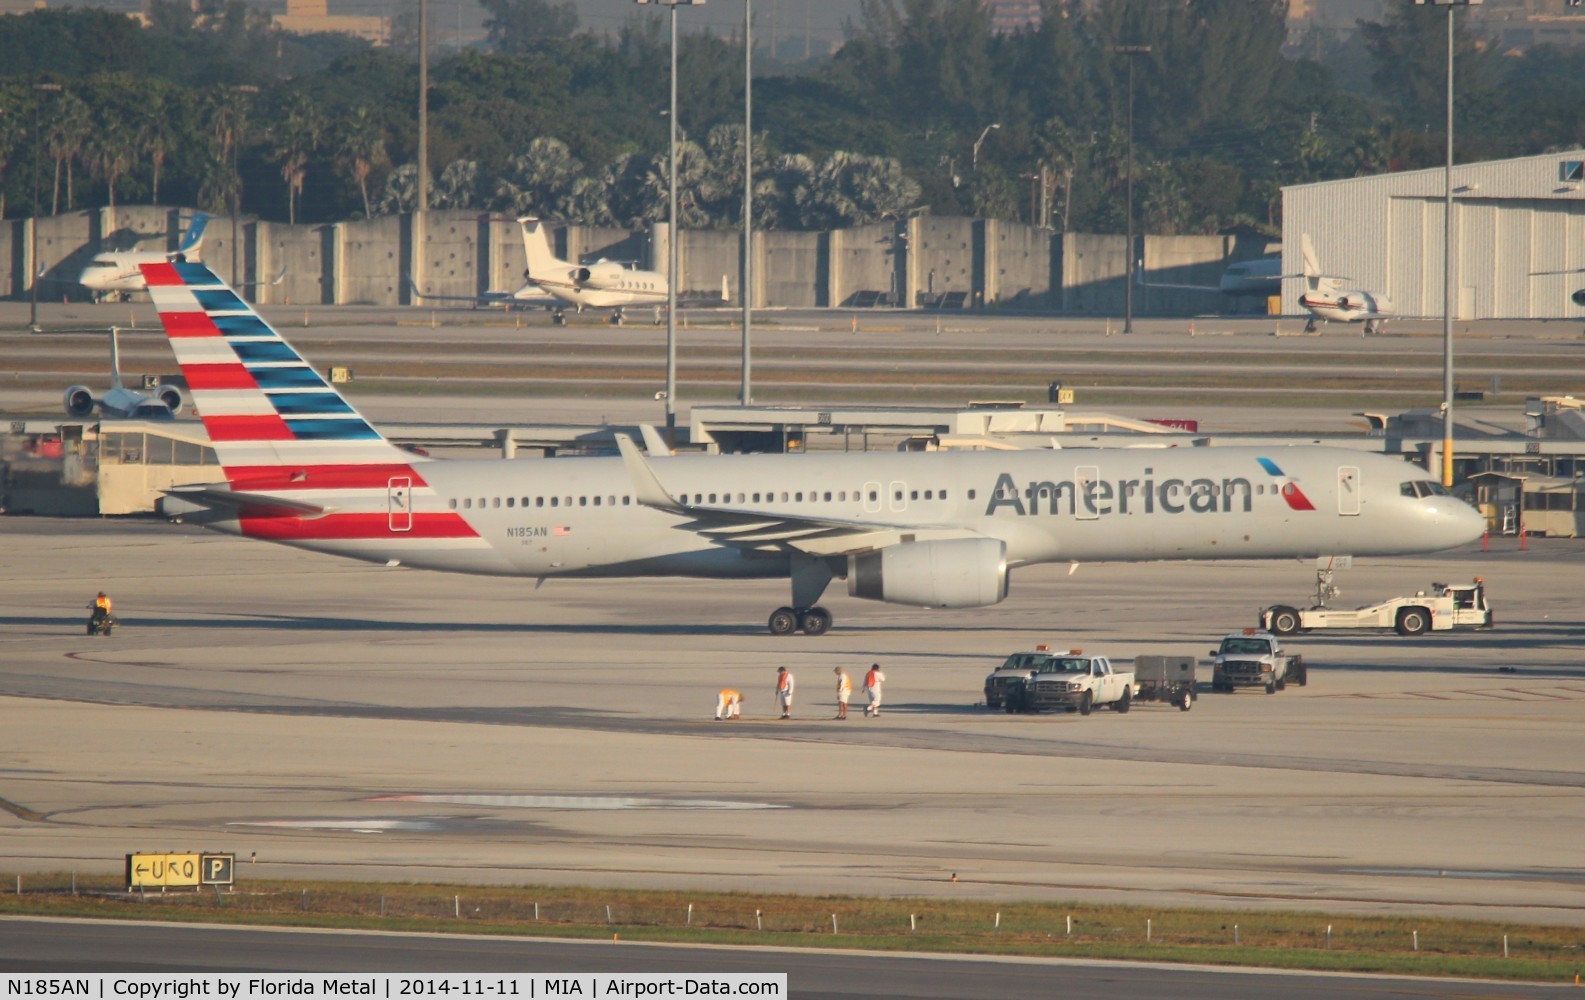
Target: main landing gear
column 809, row 621
column 810, row 576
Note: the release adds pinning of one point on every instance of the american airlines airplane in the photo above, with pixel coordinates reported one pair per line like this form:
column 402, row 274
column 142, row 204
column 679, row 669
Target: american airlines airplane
column 931, row 529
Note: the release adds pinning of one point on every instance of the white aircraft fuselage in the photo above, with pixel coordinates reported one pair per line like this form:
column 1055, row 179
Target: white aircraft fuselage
column 933, row 529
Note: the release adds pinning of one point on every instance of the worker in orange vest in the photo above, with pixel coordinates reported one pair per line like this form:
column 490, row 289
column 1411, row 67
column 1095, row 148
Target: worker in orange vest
column 784, row 691
column 872, row 687
column 729, row 705
column 844, row 692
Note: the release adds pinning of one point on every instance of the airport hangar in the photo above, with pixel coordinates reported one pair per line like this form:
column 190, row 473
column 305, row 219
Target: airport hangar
column 1511, row 219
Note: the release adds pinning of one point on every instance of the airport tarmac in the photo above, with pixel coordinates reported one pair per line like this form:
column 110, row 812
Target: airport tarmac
column 341, row 720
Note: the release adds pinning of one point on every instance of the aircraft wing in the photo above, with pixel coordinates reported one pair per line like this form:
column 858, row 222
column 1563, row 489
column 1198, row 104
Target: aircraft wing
column 508, row 299
column 772, row 531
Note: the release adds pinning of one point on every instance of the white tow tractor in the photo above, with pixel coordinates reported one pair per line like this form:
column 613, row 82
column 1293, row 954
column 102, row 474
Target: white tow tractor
column 1445, row 607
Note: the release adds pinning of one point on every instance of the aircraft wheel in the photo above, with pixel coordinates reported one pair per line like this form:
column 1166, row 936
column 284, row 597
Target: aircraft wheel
column 1309, row 327
column 815, row 621
column 783, row 621
column 560, row 319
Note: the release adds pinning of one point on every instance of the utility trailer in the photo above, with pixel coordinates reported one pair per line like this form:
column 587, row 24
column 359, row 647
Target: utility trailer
column 1444, row 608
column 1167, row 679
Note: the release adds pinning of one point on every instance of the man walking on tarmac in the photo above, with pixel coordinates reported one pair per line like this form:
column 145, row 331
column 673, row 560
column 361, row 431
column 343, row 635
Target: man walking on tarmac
column 784, row 691
column 872, row 687
column 844, row 692
column 729, row 705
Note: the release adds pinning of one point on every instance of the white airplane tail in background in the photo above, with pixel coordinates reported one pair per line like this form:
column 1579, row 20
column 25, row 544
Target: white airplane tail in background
column 536, row 245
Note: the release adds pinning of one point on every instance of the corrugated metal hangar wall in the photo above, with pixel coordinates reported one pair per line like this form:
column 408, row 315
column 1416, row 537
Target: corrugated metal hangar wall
column 1511, row 220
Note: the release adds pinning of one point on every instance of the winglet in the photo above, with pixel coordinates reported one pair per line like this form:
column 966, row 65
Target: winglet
column 654, row 444
column 646, row 488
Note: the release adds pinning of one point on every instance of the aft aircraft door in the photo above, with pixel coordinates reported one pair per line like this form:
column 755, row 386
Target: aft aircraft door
column 399, row 504
column 1348, row 490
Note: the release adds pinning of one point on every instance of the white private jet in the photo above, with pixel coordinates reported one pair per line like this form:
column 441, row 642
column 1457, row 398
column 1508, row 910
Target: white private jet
column 603, row 284
column 115, row 274
column 161, row 402
column 931, row 529
column 1328, row 301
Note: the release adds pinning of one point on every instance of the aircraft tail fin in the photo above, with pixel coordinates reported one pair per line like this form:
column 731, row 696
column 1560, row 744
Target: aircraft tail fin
column 536, row 245
column 115, row 357
column 273, row 421
column 194, row 237
column 1312, row 266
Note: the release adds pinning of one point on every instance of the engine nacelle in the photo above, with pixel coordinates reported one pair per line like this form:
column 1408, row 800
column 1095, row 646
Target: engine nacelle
column 79, row 401
column 172, row 397
column 954, row 573
column 1579, row 297
column 578, row 275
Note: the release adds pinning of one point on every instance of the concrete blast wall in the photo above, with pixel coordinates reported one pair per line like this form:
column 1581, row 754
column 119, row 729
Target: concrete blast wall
column 925, row 261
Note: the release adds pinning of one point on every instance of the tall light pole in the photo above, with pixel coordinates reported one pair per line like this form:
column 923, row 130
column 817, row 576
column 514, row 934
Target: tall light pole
column 1447, row 257
column 1128, row 292
column 671, row 221
column 33, row 252
column 975, row 164
column 423, row 105
column 236, row 183
column 745, row 394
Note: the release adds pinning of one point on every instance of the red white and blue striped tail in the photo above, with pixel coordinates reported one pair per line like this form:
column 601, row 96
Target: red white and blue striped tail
column 275, row 424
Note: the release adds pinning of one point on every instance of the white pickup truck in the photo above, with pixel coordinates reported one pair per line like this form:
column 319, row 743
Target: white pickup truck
column 1073, row 682
column 1447, row 606
column 1254, row 659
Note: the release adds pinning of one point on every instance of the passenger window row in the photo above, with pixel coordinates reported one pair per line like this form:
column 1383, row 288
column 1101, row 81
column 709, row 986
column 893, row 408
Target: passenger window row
column 813, row 496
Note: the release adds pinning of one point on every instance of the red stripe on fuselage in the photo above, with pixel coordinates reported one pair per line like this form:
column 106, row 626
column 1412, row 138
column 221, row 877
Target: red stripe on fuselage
column 262, row 478
column 161, row 274
column 260, row 427
column 350, row 527
column 219, row 376
column 189, row 324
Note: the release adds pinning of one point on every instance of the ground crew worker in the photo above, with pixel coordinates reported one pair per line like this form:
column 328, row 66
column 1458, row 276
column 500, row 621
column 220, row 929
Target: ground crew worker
column 784, row 691
column 872, row 687
column 102, row 603
column 729, row 705
column 844, row 692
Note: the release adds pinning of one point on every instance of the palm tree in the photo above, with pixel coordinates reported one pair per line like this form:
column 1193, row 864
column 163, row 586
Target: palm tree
column 296, row 136
column 540, row 180
column 153, row 129
column 110, row 150
column 361, row 148
column 225, row 111
column 10, row 138
column 69, row 125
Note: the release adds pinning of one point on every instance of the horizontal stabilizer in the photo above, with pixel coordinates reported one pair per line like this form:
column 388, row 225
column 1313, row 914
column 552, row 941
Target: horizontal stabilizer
column 221, row 497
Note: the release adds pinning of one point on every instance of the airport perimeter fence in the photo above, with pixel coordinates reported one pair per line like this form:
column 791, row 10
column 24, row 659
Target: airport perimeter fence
column 921, row 923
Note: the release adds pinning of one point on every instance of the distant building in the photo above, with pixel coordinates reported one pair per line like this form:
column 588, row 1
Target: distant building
column 1008, row 16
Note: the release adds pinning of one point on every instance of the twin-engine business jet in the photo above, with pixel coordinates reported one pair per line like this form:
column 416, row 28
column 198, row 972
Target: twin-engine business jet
column 1328, row 301
column 604, row 284
column 934, row 529
column 114, row 273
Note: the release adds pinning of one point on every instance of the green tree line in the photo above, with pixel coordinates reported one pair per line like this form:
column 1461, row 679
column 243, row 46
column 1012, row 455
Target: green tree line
column 922, row 109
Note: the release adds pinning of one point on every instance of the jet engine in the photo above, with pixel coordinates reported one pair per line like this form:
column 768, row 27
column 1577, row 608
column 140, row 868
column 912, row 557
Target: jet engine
column 954, row 573
column 172, row 397
column 79, row 401
column 1579, row 297
column 578, row 275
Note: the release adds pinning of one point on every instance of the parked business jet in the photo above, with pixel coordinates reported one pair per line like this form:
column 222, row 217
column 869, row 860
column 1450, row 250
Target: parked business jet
column 604, row 284
column 1328, row 301
column 160, row 403
column 932, row 529
column 115, row 274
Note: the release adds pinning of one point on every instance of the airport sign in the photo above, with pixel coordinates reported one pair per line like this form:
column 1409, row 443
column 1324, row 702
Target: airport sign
column 184, row 870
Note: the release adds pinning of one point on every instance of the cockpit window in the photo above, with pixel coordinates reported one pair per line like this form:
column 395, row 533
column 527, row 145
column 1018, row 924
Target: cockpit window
column 1423, row 488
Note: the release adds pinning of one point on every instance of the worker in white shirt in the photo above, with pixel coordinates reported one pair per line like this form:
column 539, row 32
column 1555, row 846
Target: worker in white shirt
column 784, row 691
column 872, row 687
column 728, row 705
column 844, row 692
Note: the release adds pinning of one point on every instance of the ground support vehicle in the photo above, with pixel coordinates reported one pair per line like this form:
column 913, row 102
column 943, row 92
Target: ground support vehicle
column 1446, row 607
column 1167, row 679
column 1254, row 659
column 101, row 622
column 1012, row 673
column 1073, row 682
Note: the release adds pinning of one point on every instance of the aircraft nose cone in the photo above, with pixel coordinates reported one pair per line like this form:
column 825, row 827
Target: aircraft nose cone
column 1460, row 523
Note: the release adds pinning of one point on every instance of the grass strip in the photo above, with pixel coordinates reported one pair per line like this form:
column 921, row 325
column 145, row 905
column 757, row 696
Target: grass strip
column 1396, row 945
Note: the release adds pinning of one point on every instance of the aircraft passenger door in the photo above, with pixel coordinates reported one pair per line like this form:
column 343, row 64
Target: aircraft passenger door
column 399, row 503
column 1348, row 490
column 1084, row 502
column 872, row 498
column 897, row 495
